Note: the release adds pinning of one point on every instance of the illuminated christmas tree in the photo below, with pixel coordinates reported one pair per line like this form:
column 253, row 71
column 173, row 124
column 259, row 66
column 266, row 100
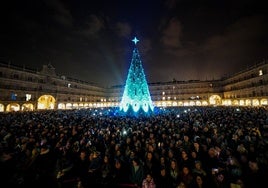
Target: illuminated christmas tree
column 136, row 97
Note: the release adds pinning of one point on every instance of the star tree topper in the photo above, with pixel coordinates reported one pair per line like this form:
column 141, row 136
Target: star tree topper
column 135, row 40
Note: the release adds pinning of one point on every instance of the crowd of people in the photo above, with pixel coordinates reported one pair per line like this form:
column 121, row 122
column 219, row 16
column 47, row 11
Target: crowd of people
column 191, row 147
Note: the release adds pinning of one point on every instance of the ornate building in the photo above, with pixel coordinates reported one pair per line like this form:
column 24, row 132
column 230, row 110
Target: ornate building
column 23, row 89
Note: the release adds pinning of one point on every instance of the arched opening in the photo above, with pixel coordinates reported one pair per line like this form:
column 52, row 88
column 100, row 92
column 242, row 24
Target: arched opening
column 2, row 108
column 69, row 106
column 81, row 105
column 235, row 102
column 204, row 103
column 192, row 103
column 227, row 102
column 198, row 103
column 75, row 106
column 27, row 107
column 255, row 102
column 241, row 102
column 215, row 100
column 61, row 106
column 13, row 107
column 46, row 102
column 248, row 102
column 180, row 103
column 186, row 103
column 264, row 102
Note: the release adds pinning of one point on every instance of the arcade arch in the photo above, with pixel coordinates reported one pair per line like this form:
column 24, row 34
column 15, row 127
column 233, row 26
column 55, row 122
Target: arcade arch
column 13, row 107
column 27, row 107
column 61, row 106
column 2, row 108
column 264, row 102
column 215, row 100
column 46, row 102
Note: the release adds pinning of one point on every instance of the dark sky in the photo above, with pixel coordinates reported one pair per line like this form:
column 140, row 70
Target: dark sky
column 91, row 40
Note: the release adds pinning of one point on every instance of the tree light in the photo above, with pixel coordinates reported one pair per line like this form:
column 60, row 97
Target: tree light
column 136, row 96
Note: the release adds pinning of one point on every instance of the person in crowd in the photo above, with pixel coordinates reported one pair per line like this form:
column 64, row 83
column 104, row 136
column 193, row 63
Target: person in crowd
column 199, row 182
column 148, row 182
column 174, row 173
column 256, row 175
column 136, row 172
column 64, row 170
column 150, row 164
column 186, row 143
column 105, row 174
column 80, row 168
column 94, row 168
column 185, row 160
column 45, row 165
column 219, row 179
column 163, row 180
column 32, row 144
column 186, row 176
column 198, row 169
column 120, row 173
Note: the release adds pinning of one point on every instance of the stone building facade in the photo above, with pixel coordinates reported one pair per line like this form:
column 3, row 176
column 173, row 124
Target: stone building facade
column 24, row 89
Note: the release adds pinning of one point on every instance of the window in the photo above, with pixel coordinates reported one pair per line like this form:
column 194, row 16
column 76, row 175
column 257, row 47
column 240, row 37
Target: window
column 16, row 76
column 28, row 97
column 13, row 96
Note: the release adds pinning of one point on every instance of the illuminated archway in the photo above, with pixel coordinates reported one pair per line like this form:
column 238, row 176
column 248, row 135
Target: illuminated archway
column 215, row 100
column 81, row 105
column 168, row 103
column 180, row 103
column 241, row 102
column 13, row 107
column 27, row 107
column 174, row 104
column 46, row 102
column 198, row 103
column 248, row 102
column 255, row 102
column 61, row 106
column 69, row 106
column 2, row 108
column 264, row 102
column 75, row 106
column 235, row 102
column 158, row 103
column 191, row 103
column 164, row 104
column 227, row 102
column 204, row 103
column 186, row 103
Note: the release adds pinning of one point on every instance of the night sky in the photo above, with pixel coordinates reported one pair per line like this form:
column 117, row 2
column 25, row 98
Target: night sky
column 91, row 40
